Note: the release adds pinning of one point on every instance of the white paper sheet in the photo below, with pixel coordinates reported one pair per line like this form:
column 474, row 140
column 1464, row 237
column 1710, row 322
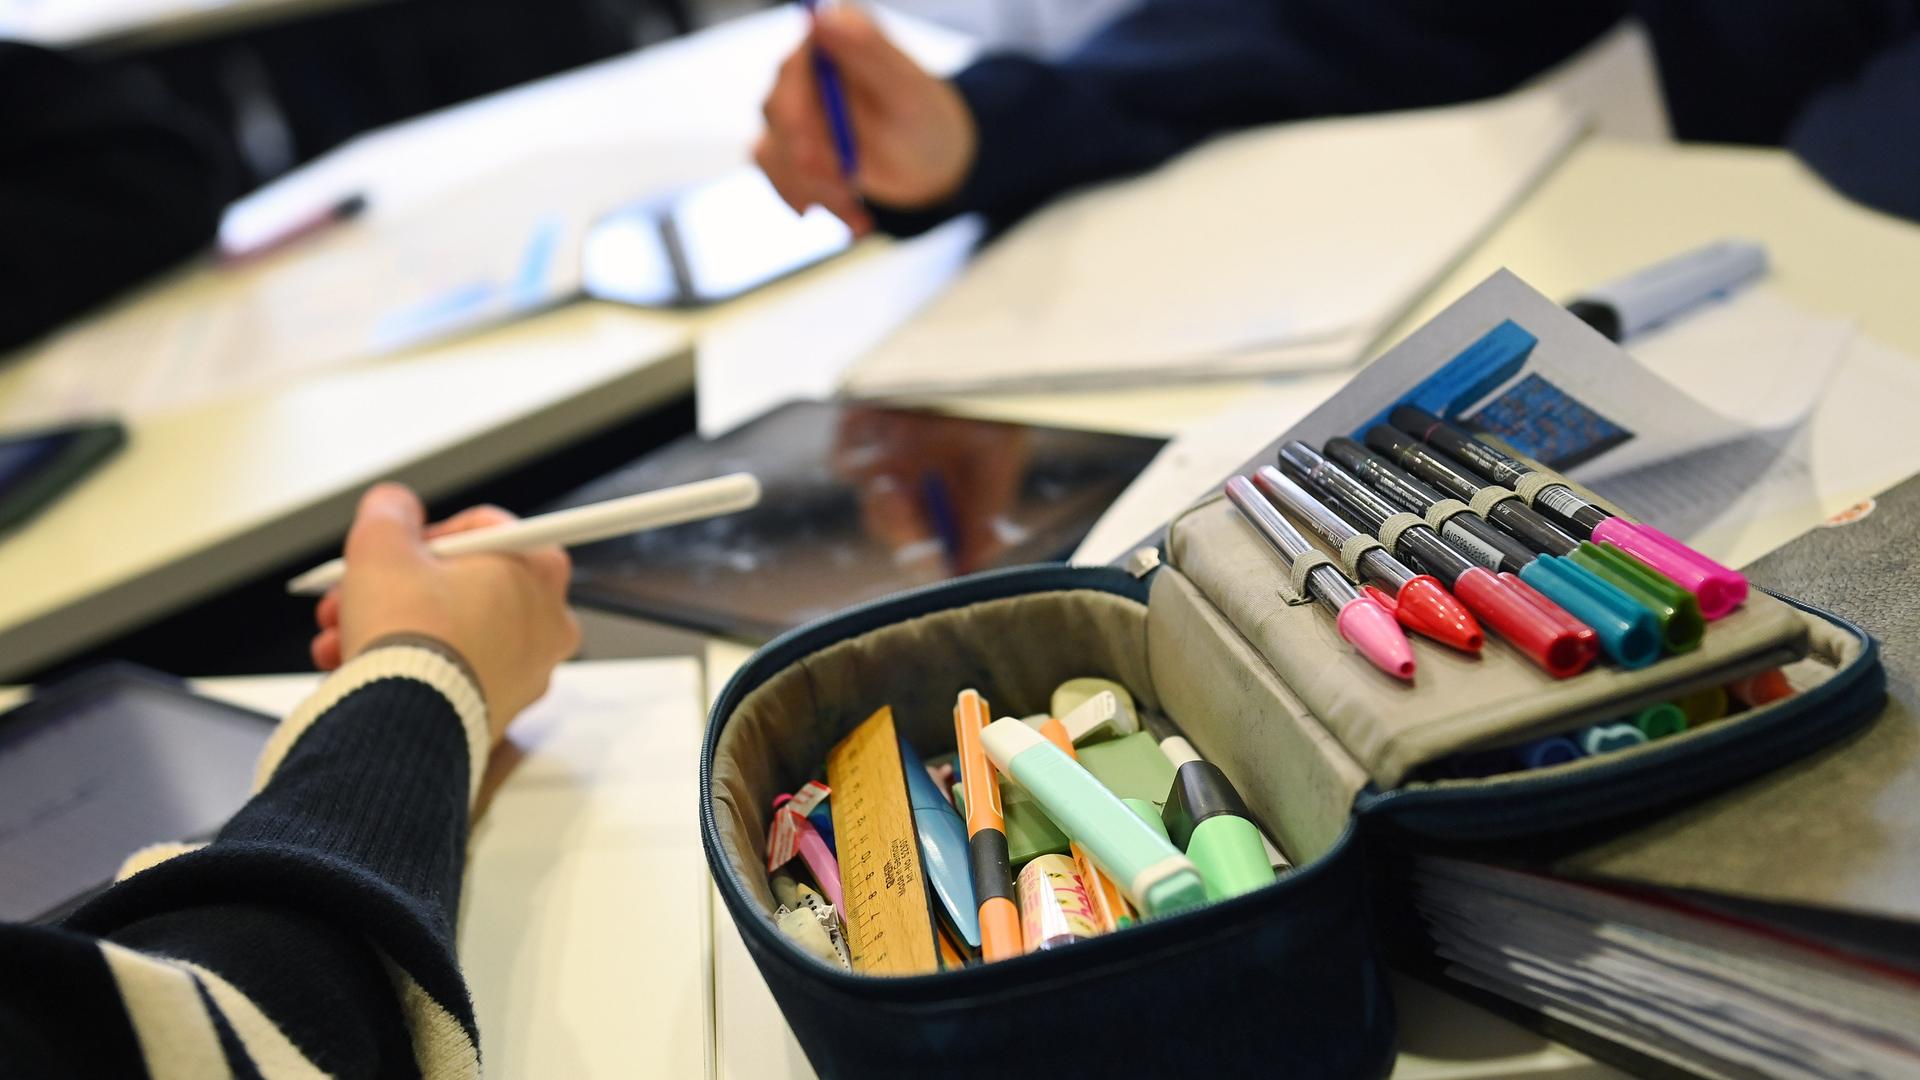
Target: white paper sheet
column 1196, row 461
column 1279, row 249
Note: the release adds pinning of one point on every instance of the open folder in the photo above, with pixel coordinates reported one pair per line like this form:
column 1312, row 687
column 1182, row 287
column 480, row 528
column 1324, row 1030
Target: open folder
column 1286, row 248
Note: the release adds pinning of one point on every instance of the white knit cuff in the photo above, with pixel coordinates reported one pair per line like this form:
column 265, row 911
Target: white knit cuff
column 415, row 662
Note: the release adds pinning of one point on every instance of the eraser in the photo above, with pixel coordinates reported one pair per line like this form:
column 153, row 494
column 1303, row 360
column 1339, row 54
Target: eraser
column 1097, row 719
column 1074, row 693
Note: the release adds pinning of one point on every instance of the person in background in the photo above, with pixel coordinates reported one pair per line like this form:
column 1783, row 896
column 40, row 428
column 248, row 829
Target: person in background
column 315, row 934
column 1835, row 81
column 103, row 183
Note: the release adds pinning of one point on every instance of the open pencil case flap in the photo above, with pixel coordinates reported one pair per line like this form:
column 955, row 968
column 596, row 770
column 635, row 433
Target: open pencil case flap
column 1373, row 733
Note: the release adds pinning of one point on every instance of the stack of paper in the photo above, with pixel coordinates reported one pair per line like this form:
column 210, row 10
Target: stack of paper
column 1285, row 248
column 1681, row 985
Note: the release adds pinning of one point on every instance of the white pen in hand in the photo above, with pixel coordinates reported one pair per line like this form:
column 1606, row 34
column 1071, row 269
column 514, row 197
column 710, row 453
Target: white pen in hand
column 578, row 525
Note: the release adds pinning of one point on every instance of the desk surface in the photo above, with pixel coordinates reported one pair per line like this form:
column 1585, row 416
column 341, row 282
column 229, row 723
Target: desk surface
column 209, row 494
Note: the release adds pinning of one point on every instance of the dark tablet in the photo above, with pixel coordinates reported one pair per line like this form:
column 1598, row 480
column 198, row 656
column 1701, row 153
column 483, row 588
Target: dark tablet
column 861, row 501
column 97, row 766
column 37, row 467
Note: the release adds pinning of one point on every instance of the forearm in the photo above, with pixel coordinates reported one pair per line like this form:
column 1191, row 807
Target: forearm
column 1174, row 72
column 1863, row 134
column 318, row 927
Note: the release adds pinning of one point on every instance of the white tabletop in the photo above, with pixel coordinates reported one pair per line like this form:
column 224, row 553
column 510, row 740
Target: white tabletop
column 207, row 497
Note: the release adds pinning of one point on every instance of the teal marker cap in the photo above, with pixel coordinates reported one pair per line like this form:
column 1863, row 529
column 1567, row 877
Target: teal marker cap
column 1629, row 634
column 1606, row 738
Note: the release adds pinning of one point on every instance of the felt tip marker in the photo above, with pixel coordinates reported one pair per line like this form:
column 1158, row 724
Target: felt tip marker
column 1755, row 691
column 1606, row 738
column 1469, row 534
column 943, row 849
column 1511, row 515
column 1629, row 633
column 1675, row 610
column 1543, row 632
column 1000, row 934
column 1362, row 622
column 1717, row 589
column 1205, row 817
column 1418, row 601
column 1153, row 872
column 1660, row 721
column 1553, row 750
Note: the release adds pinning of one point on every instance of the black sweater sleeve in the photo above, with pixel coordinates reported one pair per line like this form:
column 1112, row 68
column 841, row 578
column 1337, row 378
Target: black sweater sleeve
column 103, row 182
column 1174, row 72
column 316, row 931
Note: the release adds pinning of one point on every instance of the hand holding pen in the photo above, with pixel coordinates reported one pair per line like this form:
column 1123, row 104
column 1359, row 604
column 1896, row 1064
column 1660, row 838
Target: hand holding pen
column 851, row 118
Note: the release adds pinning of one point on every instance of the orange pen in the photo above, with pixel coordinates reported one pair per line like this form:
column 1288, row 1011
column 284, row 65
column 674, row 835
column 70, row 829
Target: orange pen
column 986, row 832
column 1108, row 905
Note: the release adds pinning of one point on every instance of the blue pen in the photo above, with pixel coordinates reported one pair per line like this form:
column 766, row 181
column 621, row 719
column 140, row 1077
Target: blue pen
column 835, row 100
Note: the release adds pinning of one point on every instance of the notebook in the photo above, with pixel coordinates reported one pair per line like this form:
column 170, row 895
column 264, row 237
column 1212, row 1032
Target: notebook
column 1285, row 248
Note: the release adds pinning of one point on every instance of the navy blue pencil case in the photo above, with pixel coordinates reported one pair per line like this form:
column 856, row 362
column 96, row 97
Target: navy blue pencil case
column 1331, row 757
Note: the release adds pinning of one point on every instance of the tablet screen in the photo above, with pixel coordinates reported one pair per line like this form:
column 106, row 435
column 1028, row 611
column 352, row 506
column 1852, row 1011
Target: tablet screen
column 94, row 771
column 860, row 501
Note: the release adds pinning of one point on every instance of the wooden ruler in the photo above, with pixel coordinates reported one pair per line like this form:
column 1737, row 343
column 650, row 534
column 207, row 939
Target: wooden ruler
column 889, row 921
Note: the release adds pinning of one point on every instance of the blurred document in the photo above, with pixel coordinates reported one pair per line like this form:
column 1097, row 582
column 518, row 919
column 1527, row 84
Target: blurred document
column 1285, row 248
column 1736, row 429
column 1198, row 461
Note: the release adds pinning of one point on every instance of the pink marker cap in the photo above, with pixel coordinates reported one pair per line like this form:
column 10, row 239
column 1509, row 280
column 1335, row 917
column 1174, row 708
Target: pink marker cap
column 1368, row 627
column 1718, row 589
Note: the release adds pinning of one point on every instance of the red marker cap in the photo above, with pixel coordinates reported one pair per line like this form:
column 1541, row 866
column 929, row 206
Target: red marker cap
column 1529, row 621
column 1425, row 607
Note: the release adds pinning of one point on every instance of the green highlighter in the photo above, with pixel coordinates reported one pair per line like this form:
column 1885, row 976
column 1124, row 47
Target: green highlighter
column 1150, row 814
column 1205, row 817
column 1674, row 608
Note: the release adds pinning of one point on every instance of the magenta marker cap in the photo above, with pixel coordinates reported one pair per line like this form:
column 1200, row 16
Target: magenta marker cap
column 1369, row 628
column 1718, row 589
